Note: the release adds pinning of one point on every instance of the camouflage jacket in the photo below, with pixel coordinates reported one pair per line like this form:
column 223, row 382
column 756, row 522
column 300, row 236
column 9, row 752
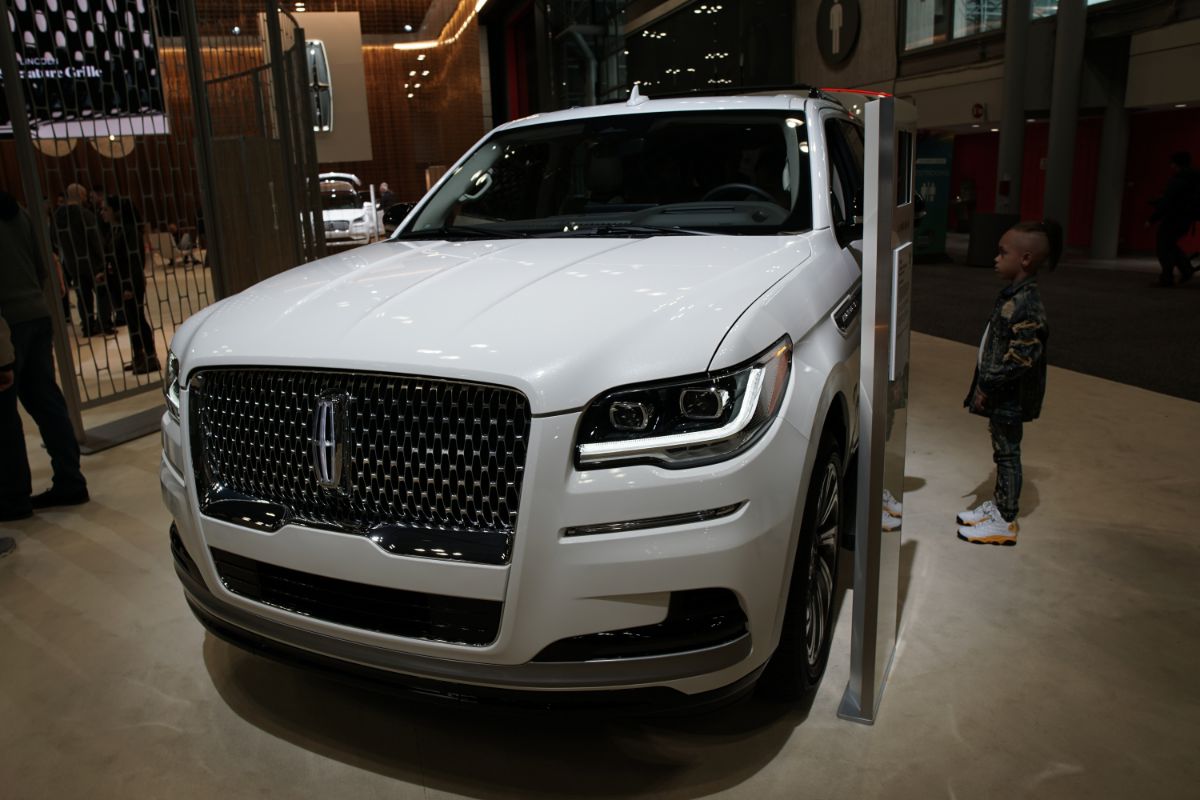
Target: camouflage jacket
column 1012, row 356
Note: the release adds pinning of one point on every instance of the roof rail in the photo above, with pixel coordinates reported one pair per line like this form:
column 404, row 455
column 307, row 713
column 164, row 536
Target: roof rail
column 811, row 90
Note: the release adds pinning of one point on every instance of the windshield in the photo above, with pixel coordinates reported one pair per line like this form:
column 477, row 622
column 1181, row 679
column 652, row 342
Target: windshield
column 743, row 172
column 338, row 196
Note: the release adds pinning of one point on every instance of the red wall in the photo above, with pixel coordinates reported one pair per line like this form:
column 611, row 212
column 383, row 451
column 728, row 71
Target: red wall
column 975, row 157
column 1153, row 137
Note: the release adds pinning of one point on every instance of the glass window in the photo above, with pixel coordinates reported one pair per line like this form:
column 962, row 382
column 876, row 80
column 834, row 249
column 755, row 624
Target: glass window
column 844, row 145
column 977, row 16
column 1048, row 8
column 730, row 172
column 930, row 22
column 925, row 23
column 338, row 195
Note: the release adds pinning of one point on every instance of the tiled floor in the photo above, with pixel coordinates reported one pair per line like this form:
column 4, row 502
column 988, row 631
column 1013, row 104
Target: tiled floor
column 1062, row 668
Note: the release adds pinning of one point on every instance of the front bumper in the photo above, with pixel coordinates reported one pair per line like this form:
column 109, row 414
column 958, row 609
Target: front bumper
column 555, row 587
column 350, row 236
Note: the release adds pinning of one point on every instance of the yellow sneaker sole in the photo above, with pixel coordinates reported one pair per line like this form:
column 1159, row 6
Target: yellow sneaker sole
column 1003, row 541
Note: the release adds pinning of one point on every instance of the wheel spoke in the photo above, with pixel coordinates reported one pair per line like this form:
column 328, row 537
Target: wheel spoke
column 822, row 563
column 828, row 537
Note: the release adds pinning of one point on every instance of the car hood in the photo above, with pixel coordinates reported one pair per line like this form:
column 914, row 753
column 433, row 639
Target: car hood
column 559, row 319
column 347, row 214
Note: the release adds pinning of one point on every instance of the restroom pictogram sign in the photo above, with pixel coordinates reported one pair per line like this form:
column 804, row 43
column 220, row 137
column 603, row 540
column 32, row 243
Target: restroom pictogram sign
column 837, row 29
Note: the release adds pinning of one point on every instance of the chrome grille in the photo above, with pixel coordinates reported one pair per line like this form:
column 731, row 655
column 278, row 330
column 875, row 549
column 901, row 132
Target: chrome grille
column 421, row 455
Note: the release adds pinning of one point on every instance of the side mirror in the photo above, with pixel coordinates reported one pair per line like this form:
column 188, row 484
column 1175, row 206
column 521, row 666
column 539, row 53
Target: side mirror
column 479, row 187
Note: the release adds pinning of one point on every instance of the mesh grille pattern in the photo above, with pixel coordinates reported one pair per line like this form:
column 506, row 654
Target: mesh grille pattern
column 420, row 452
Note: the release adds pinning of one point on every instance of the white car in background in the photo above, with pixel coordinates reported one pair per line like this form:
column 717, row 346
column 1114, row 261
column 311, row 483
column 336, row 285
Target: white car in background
column 578, row 429
column 347, row 217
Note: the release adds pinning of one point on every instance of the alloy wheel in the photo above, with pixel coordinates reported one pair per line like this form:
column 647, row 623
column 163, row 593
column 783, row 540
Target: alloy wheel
column 822, row 566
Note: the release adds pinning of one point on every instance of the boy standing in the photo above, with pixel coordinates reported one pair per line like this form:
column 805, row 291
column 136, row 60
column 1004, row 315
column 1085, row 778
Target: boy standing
column 1010, row 377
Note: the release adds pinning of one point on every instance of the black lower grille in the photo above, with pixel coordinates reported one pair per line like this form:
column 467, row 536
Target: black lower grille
column 696, row 619
column 398, row 612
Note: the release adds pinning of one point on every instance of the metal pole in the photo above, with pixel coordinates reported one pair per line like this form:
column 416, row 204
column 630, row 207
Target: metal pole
column 313, row 227
column 374, row 215
column 204, row 155
column 283, row 117
column 1064, row 107
column 1012, row 120
column 1114, row 146
column 27, row 162
column 883, row 400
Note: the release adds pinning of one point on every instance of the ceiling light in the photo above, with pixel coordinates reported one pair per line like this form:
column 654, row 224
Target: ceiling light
column 408, row 28
column 1181, row 105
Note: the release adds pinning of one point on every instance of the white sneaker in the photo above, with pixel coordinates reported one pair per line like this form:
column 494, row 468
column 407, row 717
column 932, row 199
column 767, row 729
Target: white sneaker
column 891, row 505
column 890, row 523
column 981, row 513
column 993, row 530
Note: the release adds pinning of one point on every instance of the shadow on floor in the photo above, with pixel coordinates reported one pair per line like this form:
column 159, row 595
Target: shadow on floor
column 1030, row 497
column 480, row 751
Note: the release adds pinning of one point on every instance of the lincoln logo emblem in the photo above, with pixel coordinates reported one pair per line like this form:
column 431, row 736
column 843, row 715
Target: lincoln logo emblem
column 329, row 426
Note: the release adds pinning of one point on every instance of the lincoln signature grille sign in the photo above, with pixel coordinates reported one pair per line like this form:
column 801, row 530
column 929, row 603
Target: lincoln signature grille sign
column 87, row 68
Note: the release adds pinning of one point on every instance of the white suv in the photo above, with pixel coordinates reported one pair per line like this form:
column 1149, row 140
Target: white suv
column 347, row 217
column 579, row 426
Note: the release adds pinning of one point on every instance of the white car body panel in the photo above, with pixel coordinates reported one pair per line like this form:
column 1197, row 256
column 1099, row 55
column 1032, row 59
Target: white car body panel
column 562, row 320
column 554, row 318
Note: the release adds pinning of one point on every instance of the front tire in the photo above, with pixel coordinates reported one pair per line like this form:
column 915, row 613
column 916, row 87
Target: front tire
column 799, row 661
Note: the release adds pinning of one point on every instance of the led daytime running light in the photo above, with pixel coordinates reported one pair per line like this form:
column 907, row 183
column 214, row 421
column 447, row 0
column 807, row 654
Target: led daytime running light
column 171, row 384
column 643, row 446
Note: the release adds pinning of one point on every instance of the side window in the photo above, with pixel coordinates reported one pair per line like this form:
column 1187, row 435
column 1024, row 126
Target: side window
column 834, row 148
column 844, row 140
column 855, row 148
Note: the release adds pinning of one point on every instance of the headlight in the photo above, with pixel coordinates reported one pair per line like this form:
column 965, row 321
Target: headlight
column 171, row 384
column 689, row 421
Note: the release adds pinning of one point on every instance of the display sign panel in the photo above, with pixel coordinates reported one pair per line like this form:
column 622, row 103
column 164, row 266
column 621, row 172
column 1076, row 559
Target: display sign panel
column 89, row 68
column 902, row 261
column 883, row 404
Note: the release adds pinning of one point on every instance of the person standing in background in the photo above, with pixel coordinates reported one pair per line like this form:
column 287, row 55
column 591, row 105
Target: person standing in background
column 125, row 226
column 76, row 236
column 1175, row 212
column 23, row 306
column 8, row 358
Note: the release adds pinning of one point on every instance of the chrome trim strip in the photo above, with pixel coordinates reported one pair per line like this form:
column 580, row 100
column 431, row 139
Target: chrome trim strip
column 847, row 309
column 655, row 522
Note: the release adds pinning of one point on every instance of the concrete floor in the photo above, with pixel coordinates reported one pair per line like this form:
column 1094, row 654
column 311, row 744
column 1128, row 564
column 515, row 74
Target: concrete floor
column 1062, row 668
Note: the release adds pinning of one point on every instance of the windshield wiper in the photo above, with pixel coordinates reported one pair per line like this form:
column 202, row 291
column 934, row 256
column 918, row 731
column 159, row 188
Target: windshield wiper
column 462, row 232
column 619, row 229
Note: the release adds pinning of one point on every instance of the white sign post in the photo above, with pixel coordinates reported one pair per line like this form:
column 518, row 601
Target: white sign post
column 883, row 404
